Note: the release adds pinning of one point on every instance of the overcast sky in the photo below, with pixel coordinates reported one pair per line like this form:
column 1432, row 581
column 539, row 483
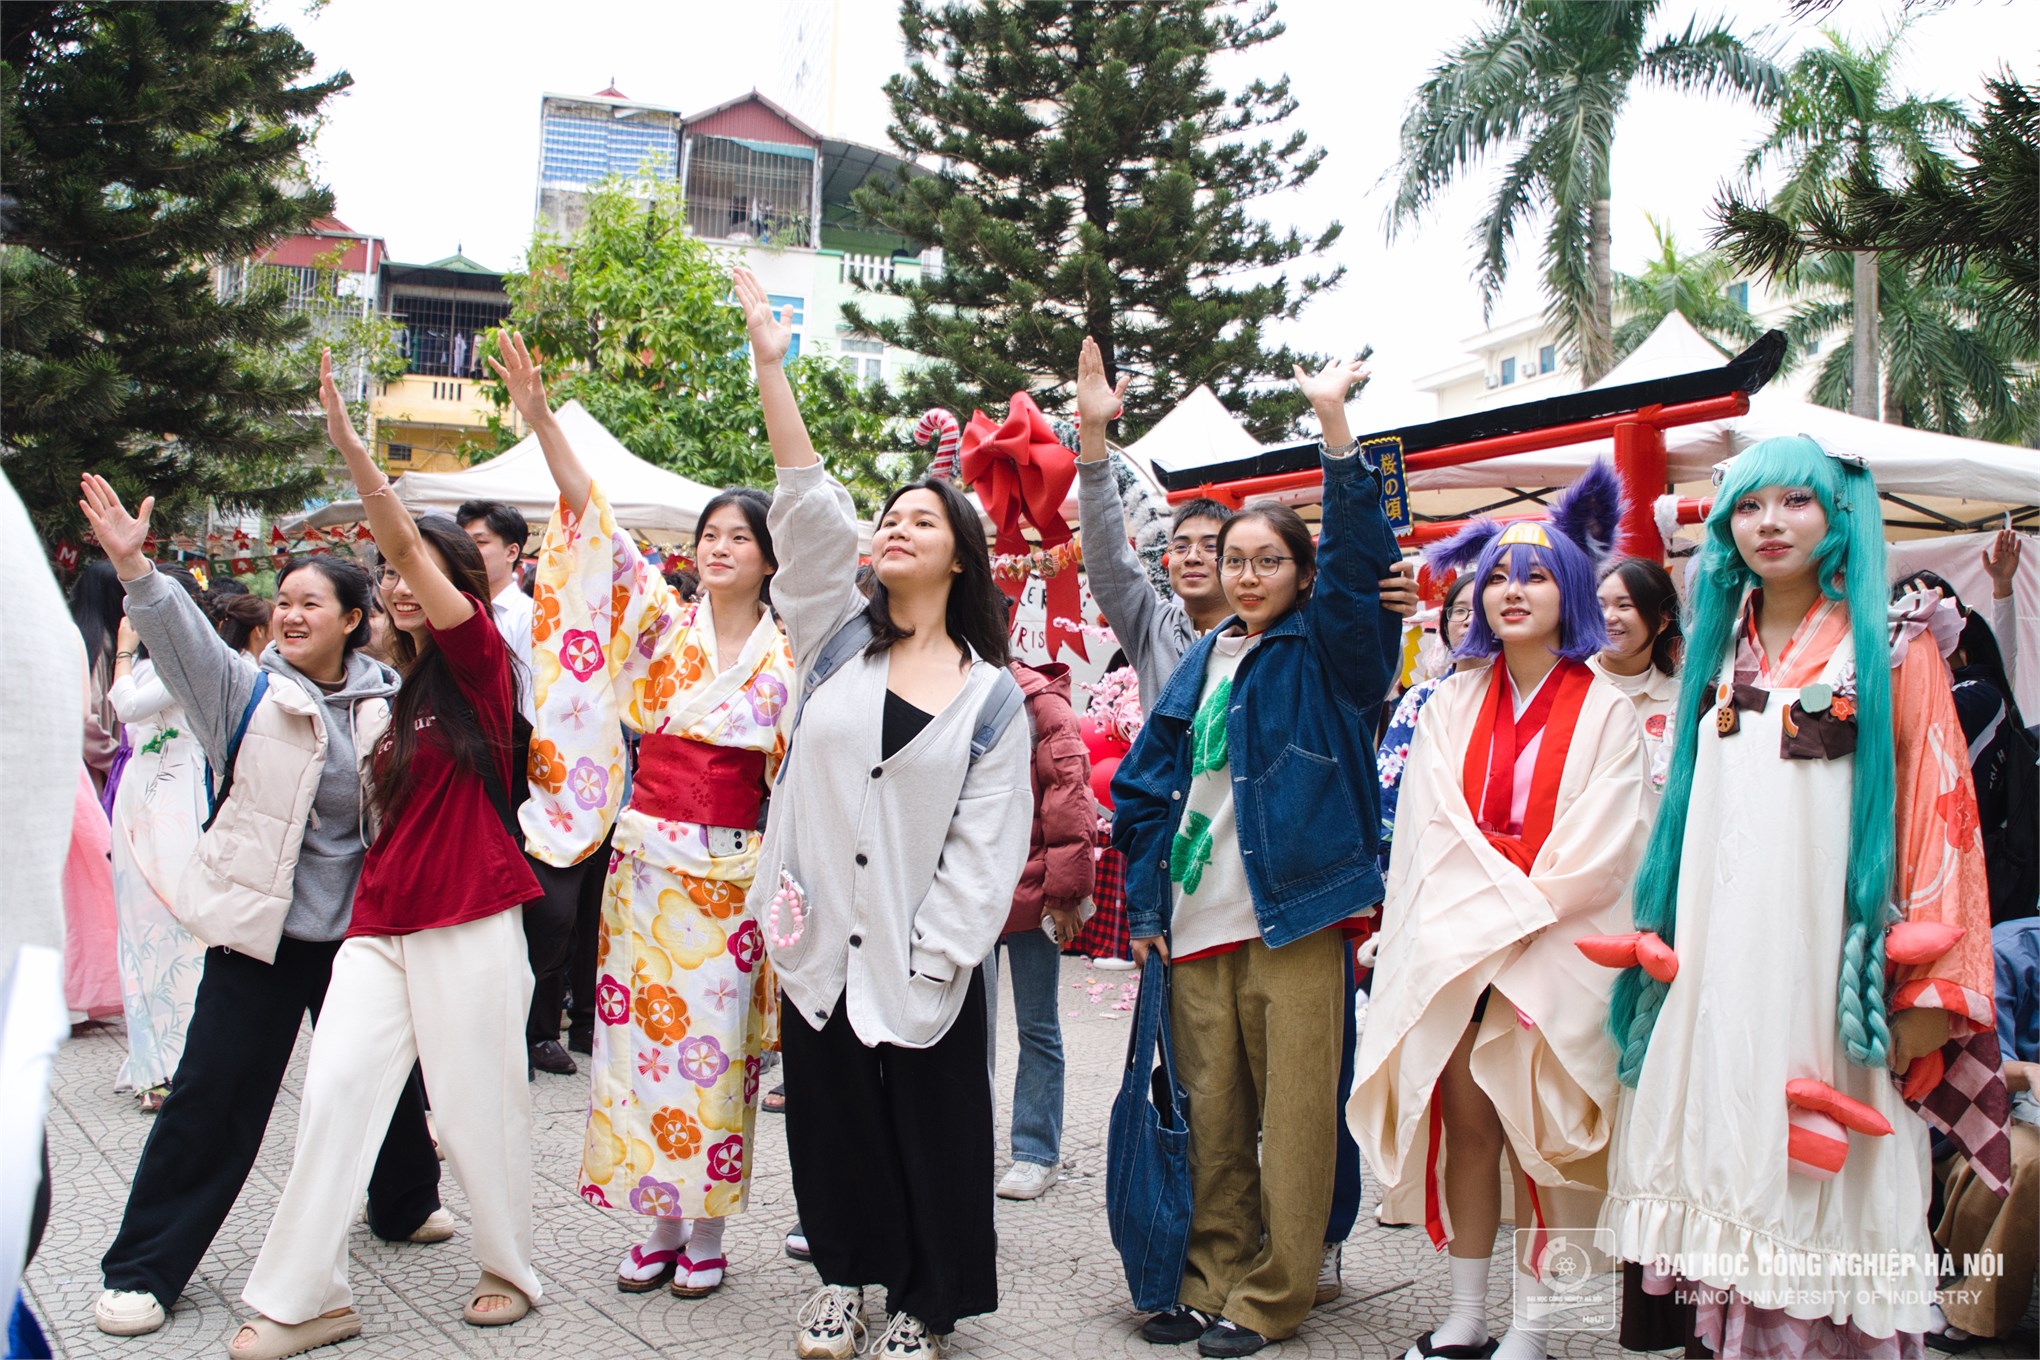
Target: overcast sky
column 436, row 145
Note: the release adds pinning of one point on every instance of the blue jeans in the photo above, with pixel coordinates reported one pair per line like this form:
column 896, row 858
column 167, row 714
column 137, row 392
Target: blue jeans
column 1038, row 1090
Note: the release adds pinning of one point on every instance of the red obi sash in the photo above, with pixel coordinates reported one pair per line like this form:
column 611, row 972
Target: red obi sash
column 1489, row 775
column 683, row 780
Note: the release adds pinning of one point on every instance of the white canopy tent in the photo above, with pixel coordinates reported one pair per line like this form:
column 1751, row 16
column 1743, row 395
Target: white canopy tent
column 647, row 499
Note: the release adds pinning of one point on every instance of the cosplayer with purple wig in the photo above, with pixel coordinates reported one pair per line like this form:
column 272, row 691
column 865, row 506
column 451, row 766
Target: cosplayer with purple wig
column 1573, row 544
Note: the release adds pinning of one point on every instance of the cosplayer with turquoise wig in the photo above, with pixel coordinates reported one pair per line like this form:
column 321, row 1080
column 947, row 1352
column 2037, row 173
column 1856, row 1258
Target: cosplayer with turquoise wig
column 1811, row 918
column 1521, row 818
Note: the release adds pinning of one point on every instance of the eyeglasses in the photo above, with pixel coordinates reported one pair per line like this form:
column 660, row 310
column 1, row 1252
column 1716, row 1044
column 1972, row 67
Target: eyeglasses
column 1265, row 565
column 1206, row 546
column 1460, row 613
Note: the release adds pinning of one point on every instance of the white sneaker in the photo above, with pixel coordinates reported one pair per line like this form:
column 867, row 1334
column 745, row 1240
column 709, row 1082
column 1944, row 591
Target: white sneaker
column 831, row 1324
column 906, row 1338
column 127, row 1312
column 1027, row 1180
column 1329, row 1285
column 436, row 1228
column 1113, row 965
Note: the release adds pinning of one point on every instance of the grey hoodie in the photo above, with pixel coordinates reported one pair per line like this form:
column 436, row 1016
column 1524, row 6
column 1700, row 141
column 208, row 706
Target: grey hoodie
column 213, row 682
column 1156, row 631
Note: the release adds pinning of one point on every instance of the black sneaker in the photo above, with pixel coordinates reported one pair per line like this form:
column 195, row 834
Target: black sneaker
column 796, row 1243
column 549, row 1056
column 1175, row 1327
column 1229, row 1338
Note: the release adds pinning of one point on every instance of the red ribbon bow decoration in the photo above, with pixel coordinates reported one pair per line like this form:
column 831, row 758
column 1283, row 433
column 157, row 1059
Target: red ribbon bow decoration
column 1021, row 473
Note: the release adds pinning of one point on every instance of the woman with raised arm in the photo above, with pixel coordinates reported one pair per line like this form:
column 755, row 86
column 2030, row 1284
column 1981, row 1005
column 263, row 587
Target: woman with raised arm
column 1247, row 813
column 433, row 971
column 685, row 1009
column 899, row 829
column 1519, row 819
column 287, row 734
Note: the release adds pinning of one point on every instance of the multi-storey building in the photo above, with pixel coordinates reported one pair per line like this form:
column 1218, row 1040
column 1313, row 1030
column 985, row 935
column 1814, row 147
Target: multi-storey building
column 441, row 310
column 760, row 183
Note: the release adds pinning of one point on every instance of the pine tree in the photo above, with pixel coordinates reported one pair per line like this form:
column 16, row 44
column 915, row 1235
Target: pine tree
column 141, row 144
column 1096, row 181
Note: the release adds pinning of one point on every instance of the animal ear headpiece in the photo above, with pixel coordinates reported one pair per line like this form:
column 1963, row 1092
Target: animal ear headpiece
column 1589, row 515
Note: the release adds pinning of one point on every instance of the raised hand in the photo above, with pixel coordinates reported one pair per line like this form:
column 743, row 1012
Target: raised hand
column 1098, row 400
column 1329, row 385
column 119, row 533
column 339, row 428
column 520, row 374
column 771, row 333
column 2001, row 560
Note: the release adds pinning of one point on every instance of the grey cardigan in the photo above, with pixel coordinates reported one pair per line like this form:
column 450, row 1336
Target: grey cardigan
column 908, row 864
column 1155, row 631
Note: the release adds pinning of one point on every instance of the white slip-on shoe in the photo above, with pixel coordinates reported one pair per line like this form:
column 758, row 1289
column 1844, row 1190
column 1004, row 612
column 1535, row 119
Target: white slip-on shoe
column 1027, row 1180
column 127, row 1312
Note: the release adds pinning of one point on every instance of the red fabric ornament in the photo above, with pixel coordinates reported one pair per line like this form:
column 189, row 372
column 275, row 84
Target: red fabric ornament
column 1022, row 473
column 1101, row 779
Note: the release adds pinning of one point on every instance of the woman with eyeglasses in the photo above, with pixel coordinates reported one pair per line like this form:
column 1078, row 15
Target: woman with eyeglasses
column 1246, row 810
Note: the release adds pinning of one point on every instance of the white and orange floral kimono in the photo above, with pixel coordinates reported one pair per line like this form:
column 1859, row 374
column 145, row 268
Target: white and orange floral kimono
column 1463, row 916
column 684, row 1000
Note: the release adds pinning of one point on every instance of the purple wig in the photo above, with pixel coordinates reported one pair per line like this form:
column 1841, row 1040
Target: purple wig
column 1573, row 544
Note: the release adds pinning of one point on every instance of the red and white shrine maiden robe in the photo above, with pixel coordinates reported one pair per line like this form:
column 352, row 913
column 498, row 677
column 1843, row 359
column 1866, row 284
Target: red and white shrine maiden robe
column 1699, row 1182
column 684, row 1001
column 1467, row 910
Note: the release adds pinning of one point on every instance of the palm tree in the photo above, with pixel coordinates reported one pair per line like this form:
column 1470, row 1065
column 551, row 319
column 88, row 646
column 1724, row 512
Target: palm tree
column 1951, row 362
column 1696, row 286
column 1544, row 83
column 1841, row 124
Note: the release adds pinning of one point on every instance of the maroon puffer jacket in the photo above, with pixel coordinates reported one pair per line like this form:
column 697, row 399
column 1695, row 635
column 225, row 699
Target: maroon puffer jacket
column 1060, row 868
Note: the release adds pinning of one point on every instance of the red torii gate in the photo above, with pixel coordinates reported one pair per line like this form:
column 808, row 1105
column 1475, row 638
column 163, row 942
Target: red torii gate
column 1634, row 416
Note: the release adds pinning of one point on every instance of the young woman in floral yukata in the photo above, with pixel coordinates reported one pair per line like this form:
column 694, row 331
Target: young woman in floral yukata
column 684, row 1003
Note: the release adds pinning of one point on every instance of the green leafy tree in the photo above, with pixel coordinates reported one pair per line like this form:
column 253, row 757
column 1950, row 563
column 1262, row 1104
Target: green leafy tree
column 1696, row 286
column 1544, row 83
column 1842, row 122
column 1096, row 181
column 633, row 318
column 118, row 353
column 1948, row 362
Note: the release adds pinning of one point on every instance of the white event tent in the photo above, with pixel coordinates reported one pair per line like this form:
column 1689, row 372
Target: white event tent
column 646, row 499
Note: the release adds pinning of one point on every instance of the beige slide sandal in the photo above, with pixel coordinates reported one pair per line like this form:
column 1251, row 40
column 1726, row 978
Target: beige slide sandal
column 494, row 1285
column 277, row 1340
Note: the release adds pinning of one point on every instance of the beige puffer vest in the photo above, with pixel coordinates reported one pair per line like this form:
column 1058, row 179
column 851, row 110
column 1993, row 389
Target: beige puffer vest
column 237, row 889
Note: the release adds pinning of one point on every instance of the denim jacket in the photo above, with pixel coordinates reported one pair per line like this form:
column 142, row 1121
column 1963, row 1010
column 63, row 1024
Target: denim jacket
column 1300, row 736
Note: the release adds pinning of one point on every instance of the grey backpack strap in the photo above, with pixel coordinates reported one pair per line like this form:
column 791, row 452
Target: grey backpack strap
column 995, row 714
column 853, row 637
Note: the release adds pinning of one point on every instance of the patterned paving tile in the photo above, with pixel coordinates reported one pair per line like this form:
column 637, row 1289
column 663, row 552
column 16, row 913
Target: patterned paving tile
column 1061, row 1291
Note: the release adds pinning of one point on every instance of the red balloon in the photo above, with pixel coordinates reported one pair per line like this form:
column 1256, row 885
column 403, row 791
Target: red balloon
column 1100, row 739
column 1101, row 778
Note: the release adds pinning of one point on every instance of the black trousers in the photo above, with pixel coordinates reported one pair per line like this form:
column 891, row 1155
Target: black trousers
column 237, row 1047
column 892, row 1161
column 559, row 939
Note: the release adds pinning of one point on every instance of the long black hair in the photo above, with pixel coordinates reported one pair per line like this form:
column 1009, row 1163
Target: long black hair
column 1656, row 599
column 238, row 616
column 429, row 689
column 754, row 505
column 976, row 612
column 97, row 604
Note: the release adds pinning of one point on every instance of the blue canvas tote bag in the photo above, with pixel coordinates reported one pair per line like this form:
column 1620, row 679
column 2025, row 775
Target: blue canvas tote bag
column 1147, row 1164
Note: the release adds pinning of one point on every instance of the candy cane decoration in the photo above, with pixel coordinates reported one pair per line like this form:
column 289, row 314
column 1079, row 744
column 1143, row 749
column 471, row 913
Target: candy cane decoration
column 940, row 428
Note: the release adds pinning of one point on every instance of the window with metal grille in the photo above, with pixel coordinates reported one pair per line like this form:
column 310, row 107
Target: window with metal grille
column 740, row 189
column 440, row 337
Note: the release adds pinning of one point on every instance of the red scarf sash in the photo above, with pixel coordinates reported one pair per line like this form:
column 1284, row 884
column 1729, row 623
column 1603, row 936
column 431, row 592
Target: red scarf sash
column 1488, row 777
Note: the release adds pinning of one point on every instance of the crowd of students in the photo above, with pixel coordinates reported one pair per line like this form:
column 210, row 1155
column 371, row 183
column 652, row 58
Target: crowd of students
column 1684, row 931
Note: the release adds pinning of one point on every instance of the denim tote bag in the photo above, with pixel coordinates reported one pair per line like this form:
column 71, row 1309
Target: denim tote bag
column 1147, row 1150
